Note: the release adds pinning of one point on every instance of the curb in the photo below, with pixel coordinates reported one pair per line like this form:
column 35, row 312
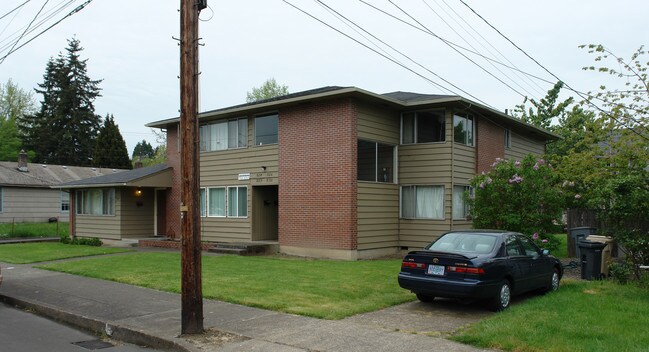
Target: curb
column 117, row 332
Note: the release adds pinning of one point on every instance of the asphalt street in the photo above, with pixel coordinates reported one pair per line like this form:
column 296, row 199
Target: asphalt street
column 21, row 331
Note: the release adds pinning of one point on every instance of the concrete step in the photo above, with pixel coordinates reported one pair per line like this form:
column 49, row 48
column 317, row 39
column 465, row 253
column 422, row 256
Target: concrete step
column 243, row 248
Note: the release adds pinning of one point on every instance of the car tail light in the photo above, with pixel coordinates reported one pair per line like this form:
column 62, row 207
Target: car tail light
column 413, row 265
column 465, row 270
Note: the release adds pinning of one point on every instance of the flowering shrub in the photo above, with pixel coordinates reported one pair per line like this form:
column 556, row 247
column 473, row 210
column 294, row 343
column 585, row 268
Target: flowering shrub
column 524, row 196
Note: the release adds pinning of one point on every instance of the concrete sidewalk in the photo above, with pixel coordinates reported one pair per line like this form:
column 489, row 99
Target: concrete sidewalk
column 152, row 318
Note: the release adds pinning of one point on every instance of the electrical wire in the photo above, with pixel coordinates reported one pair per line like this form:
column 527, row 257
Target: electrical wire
column 368, row 47
column 77, row 9
column 49, row 14
column 581, row 95
column 16, row 8
column 401, row 53
column 29, row 25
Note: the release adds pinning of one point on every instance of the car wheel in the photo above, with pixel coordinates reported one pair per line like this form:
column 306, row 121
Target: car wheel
column 554, row 281
column 503, row 297
column 425, row 298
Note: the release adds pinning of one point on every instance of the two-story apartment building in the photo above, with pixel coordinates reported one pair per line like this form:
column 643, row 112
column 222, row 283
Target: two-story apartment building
column 341, row 172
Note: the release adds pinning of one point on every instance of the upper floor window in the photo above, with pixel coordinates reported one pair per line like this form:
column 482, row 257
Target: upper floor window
column 223, row 135
column 508, row 138
column 463, row 129
column 96, row 202
column 266, row 129
column 423, row 127
column 375, row 162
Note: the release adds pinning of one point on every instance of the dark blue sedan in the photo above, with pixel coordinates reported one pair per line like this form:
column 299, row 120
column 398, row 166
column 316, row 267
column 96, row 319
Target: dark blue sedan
column 479, row 264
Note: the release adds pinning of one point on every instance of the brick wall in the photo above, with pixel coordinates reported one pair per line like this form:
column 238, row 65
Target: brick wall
column 490, row 144
column 173, row 193
column 317, row 169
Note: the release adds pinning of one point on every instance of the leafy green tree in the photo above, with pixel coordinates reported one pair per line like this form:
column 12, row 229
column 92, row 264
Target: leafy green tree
column 143, row 149
column 110, row 150
column 270, row 89
column 14, row 103
column 64, row 129
column 542, row 112
column 525, row 197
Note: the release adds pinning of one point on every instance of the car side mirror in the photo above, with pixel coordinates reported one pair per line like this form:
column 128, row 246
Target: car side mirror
column 545, row 252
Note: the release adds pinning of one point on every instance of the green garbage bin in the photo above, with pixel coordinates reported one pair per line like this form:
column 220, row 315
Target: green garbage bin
column 591, row 259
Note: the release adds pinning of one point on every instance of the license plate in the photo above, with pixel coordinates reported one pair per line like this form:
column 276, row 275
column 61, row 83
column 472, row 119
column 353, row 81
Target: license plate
column 436, row 270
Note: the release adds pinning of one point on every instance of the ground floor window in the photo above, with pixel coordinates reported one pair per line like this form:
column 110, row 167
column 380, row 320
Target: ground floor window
column 216, row 201
column 422, row 202
column 460, row 206
column 96, row 202
column 65, row 201
column 224, row 201
column 238, row 201
column 0, row 199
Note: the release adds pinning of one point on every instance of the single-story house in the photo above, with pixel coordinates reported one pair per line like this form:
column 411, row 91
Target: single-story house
column 342, row 172
column 25, row 193
column 123, row 205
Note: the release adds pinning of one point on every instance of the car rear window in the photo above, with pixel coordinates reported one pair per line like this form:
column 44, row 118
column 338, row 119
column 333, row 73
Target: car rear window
column 459, row 242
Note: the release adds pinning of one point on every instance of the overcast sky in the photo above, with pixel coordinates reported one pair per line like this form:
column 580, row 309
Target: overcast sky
column 129, row 44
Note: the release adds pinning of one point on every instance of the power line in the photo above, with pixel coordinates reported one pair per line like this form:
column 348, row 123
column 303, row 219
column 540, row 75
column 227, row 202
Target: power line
column 448, row 42
column 401, row 53
column 456, row 50
column 16, row 8
column 77, row 9
column 29, row 25
column 368, row 47
column 581, row 95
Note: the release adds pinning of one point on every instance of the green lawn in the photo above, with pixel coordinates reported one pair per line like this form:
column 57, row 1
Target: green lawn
column 33, row 229
column 581, row 316
column 326, row 289
column 22, row 253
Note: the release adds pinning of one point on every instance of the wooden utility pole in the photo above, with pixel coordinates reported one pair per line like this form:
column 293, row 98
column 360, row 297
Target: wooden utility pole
column 191, row 286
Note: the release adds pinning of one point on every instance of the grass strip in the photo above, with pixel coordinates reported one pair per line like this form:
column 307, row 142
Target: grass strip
column 581, row 316
column 23, row 253
column 325, row 289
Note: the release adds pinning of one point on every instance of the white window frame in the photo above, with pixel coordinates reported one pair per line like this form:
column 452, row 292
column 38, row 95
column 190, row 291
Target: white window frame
column 241, row 141
column 202, row 201
column 106, row 211
column 377, row 172
column 414, row 205
column 231, row 201
column 464, row 205
column 466, row 117
column 225, row 202
column 63, row 203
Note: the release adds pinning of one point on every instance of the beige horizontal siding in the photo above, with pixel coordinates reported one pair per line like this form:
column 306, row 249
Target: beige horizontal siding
column 377, row 215
column 522, row 146
column 226, row 229
column 221, row 168
column 31, row 204
column 380, row 125
column 106, row 227
column 136, row 221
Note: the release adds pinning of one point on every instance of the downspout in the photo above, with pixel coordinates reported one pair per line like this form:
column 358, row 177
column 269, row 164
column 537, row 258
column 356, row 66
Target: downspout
column 452, row 167
column 72, row 213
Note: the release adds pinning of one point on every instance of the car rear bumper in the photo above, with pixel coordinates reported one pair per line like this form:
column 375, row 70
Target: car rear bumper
column 442, row 287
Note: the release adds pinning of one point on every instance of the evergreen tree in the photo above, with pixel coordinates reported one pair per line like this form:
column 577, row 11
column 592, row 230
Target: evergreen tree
column 110, row 150
column 64, row 130
column 14, row 103
column 144, row 150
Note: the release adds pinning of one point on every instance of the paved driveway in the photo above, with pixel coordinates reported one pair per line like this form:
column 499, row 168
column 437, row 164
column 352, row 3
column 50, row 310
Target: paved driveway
column 438, row 318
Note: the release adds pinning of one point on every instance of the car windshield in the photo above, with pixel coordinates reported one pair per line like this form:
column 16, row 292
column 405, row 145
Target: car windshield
column 460, row 242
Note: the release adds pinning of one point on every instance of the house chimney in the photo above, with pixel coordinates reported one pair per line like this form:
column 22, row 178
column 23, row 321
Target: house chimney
column 22, row 161
column 138, row 163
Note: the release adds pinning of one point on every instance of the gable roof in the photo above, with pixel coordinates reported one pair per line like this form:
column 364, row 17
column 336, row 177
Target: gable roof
column 142, row 177
column 42, row 175
column 397, row 100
